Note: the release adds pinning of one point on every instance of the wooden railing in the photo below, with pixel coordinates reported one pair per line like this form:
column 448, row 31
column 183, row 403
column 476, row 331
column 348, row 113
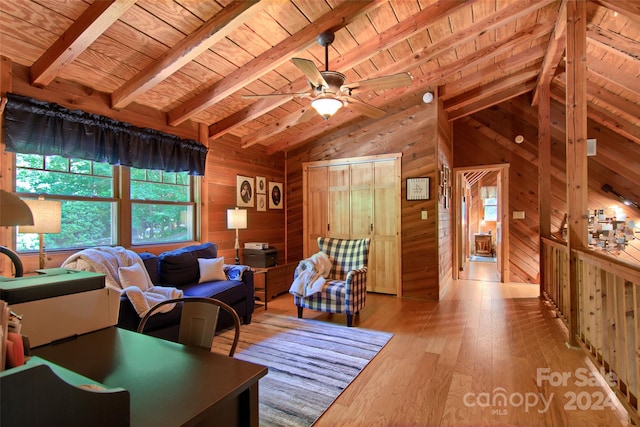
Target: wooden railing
column 556, row 275
column 608, row 327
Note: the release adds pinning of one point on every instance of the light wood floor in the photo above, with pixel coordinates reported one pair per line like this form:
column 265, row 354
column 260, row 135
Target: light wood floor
column 447, row 361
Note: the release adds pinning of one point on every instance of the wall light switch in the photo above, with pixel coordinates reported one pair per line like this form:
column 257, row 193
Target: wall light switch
column 424, row 214
column 518, row 214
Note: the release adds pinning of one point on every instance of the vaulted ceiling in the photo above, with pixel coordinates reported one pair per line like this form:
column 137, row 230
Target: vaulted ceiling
column 194, row 60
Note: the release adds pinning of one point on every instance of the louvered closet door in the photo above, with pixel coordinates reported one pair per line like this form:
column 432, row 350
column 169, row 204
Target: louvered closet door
column 355, row 200
column 316, row 208
column 339, row 206
column 384, row 259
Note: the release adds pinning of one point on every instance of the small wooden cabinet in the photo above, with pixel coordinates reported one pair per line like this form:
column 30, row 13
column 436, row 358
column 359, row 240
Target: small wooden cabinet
column 483, row 244
column 272, row 281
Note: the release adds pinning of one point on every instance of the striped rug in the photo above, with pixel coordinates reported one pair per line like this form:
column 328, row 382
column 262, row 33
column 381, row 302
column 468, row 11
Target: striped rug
column 310, row 363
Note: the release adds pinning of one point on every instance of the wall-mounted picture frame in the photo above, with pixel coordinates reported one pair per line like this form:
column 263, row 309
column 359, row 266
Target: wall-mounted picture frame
column 245, row 191
column 261, row 185
column 276, row 195
column 418, row 188
column 261, row 202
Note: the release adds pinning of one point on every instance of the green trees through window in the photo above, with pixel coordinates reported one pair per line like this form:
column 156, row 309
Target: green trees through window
column 161, row 203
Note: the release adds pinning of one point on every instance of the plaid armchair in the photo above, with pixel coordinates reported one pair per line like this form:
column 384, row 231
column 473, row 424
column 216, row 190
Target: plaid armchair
column 346, row 288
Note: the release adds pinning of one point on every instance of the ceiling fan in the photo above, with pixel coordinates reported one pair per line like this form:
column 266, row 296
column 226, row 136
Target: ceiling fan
column 329, row 92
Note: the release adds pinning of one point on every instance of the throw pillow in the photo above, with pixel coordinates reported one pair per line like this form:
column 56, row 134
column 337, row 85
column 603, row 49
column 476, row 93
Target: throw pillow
column 211, row 269
column 134, row 275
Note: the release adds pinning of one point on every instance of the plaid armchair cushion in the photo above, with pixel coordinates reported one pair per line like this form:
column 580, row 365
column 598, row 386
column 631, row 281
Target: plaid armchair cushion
column 346, row 287
column 345, row 255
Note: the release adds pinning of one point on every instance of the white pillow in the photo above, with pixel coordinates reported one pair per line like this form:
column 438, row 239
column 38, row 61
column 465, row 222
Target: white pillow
column 134, row 275
column 211, row 269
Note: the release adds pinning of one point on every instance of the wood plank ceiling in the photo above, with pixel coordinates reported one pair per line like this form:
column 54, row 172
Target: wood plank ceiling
column 194, row 59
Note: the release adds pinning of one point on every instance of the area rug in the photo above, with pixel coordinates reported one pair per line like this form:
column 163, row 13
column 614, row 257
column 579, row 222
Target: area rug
column 310, row 363
column 478, row 258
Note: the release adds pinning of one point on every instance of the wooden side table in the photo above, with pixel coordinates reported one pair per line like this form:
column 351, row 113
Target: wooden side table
column 270, row 282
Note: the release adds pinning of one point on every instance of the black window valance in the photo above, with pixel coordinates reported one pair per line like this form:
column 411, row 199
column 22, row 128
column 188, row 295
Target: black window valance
column 38, row 127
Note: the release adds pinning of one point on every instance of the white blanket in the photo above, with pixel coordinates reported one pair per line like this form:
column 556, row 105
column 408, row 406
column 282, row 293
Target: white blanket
column 107, row 260
column 310, row 275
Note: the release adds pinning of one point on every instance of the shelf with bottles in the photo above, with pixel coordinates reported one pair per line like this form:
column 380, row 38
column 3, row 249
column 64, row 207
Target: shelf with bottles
column 610, row 230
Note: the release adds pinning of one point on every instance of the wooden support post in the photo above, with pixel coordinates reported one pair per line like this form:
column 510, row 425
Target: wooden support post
column 544, row 170
column 576, row 105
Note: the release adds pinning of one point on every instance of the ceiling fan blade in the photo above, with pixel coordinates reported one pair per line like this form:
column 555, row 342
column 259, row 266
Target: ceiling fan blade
column 384, row 82
column 308, row 114
column 311, row 71
column 366, row 109
column 273, row 95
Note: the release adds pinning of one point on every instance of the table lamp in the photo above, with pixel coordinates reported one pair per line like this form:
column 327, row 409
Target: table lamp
column 46, row 220
column 237, row 219
column 13, row 211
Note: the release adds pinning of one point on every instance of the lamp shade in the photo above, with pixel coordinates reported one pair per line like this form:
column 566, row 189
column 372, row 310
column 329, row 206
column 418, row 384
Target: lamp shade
column 46, row 217
column 236, row 219
column 326, row 107
column 13, row 210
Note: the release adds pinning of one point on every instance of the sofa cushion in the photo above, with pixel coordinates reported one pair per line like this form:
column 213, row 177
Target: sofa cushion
column 211, row 269
column 229, row 291
column 151, row 263
column 180, row 266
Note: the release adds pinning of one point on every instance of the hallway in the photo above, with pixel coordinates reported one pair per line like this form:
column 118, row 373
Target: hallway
column 480, row 270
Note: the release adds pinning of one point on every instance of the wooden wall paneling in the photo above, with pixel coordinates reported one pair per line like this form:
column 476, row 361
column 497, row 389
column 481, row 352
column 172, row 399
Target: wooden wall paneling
column 225, row 161
column 445, row 229
column 409, row 128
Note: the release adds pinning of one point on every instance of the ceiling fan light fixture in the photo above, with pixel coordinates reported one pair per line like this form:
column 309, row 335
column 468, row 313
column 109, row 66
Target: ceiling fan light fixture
column 326, row 107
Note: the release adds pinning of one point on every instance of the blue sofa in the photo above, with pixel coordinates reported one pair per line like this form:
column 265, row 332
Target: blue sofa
column 179, row 268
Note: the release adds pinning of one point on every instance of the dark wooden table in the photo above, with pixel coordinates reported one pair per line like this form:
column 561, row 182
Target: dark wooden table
column 170, row 384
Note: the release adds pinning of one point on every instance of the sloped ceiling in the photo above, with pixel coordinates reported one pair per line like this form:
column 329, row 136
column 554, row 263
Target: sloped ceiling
column 193, row 60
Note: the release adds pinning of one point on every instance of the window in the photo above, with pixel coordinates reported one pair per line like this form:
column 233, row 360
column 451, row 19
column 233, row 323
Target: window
column 161, row 203
column 161, row 208
column 489, row 197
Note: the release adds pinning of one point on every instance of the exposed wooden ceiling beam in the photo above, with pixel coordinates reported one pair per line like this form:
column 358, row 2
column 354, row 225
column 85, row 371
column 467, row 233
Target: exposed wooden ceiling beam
column 555, row 50
column 476, row 95
column 612, row 42
column 492, row 72
column 614, row 75
column 469, row 34
column 618, row 105
column 489, row 101
column 271, row 59
column 432, row 78
column 189, row 48
column 596, row 113
column 629, row 8
column 95, row 20
column 396, row 34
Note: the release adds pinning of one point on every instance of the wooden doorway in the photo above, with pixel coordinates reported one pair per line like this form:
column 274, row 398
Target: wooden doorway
column 481, row 203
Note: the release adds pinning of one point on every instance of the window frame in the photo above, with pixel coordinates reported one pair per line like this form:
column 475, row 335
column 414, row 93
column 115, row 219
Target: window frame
column 121, row 196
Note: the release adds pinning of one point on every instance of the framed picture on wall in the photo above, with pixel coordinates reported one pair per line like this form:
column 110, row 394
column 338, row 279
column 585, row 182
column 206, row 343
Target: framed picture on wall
column 261, row 185
column 261, row 202
column 245, row 191
column 276, row 196
column 418, row 188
